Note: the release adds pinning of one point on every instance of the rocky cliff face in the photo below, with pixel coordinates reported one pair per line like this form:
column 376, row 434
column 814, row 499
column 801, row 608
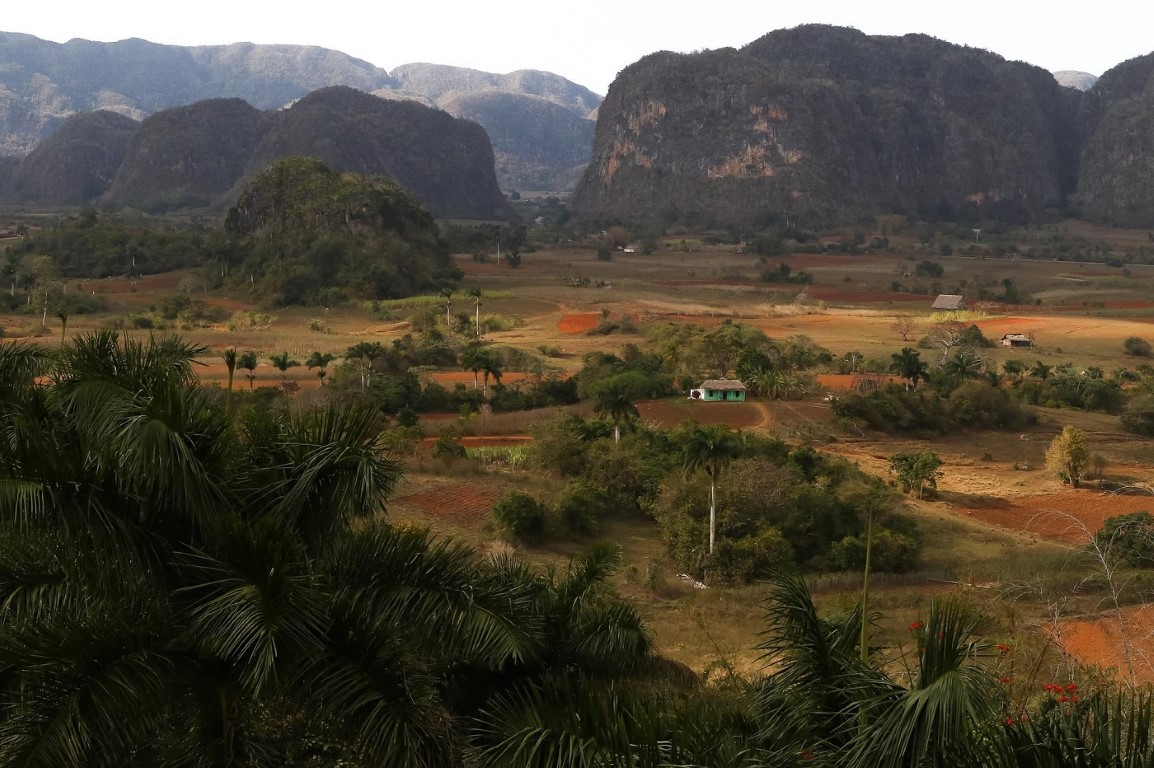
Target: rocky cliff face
column 1116, row 179
column 825, row 124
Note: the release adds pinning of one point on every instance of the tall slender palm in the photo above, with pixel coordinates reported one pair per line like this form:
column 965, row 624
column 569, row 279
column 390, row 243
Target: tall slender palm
column 365, row 353
column 447, row 295
column 615, row 404
column 473, row 359
column 282, row 363
column 320, row 361
column 475, row 294
column 491, row 365
column 711, row 448
column 230, row 360
column 908, row 365
column 62, row 314
column 248, row 361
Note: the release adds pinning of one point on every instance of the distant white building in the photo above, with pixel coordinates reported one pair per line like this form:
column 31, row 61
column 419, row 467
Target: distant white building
column 948, row 301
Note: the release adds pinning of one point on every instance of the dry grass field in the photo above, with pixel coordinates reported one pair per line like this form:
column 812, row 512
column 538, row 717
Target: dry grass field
column 998, row 516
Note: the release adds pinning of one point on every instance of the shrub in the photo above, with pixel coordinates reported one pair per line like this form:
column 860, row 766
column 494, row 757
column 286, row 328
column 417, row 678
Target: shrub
column 1137, row 346
column 519, row 514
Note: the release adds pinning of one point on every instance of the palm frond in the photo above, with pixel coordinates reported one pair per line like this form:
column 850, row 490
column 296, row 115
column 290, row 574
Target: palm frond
column 438, row 591
column 255, row 604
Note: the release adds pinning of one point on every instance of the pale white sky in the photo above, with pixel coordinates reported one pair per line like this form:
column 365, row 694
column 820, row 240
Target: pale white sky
column 590, row 41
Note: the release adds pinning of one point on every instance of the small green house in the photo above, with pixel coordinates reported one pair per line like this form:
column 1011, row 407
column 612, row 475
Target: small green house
column 718, row 390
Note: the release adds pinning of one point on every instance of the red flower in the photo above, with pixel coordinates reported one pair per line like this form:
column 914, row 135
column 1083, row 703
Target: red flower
column 1003, row 648
column 1071, row 687
column 807, row 755
column 1009, row 721
column 1005, row 680
column 915, row 626
column 1063, row 699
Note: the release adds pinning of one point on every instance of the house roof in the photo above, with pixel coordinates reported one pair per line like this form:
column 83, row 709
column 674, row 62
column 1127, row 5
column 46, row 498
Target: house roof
column 947, row 301
column 730, row 385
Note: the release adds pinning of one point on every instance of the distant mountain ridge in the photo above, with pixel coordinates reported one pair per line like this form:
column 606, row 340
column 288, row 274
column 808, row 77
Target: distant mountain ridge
column 197, row 156
column 43, row 83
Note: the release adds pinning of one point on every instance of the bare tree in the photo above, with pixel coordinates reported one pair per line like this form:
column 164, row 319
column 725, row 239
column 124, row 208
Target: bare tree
column 904, row 325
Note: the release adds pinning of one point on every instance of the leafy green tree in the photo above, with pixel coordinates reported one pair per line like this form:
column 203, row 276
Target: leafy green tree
column 1069, row 455
column 710, row 448
column 520, row 514
column 916, row 471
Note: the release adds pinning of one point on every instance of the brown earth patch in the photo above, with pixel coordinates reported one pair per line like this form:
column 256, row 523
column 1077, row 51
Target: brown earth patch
column 466, row 504
column 581, row 322
column 867, row 297
column 1072, row 516
column 669, row 413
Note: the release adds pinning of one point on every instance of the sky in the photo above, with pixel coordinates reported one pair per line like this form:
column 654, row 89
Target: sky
column 590, row 41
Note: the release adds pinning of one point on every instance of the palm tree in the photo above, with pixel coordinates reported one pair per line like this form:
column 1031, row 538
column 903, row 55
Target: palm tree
column 320, row 361
column 473, row 359
column 491, row 365
column 1040, row 370
column 181, row 588
column 615, row 404
column 230, row 360
column 365, row 353
column 447, row 295
column 475, row 294
column 964, row 365
column 282, row 363
column 248, row 361
column 63, row 315
column 908, row 365
column 711, row 448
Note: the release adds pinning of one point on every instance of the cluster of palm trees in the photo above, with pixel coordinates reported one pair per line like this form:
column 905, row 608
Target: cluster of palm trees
column 185, row 585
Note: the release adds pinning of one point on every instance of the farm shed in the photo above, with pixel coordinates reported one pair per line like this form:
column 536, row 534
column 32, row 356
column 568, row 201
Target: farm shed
column 948, row 301
column 716, row 390
column 1017, row 340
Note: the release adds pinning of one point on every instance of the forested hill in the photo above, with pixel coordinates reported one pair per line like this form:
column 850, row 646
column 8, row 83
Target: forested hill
column 196, row 156
column 827, row 124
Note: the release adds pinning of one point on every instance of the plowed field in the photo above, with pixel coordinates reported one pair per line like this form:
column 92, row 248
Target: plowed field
column 464, row 504
column 582, row 322
column 669, row 414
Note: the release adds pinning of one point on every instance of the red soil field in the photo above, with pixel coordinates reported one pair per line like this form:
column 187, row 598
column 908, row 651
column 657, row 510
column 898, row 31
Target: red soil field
column 1098, row 641
column 582, row 322
column 1072, row 516
column 844, row 382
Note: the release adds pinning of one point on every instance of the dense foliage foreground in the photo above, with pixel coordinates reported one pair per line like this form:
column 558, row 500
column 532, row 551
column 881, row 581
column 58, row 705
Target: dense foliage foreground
column 189, row 580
